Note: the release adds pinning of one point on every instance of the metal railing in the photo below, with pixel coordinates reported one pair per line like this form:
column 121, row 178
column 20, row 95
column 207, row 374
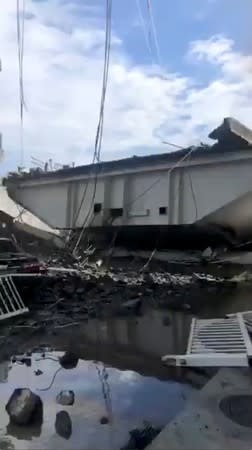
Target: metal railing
column 11, row 303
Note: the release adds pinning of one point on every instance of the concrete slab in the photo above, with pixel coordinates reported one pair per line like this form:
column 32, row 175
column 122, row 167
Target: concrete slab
column 26, row 221
column 202, row 424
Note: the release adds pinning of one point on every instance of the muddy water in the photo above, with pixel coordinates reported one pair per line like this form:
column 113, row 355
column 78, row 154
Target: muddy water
column 134, row 399
column 140, row 388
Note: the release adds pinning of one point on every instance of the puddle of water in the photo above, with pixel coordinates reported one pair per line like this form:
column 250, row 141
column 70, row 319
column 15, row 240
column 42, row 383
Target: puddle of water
column 134, row 399
column 140, row 388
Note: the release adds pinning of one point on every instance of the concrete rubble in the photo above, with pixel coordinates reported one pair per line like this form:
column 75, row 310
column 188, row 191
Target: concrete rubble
column 14, row 218
column 74, row 290
column 96, row 293
column 231, row 131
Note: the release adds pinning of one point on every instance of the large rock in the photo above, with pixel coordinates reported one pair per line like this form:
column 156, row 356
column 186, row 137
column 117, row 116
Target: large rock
column 24, row 407
column 63, row 424
column 65, row 398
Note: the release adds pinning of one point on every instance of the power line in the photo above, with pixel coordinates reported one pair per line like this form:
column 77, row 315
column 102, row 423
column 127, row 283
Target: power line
column 177, row 164
column 144, row 28
column 99, row 132
column 152, row 185
column 20, row 18
column 96, row 154
column 153, row 31
column 172, row 145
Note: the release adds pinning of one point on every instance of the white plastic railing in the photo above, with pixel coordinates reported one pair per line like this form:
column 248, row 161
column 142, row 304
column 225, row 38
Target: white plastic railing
column 11, row 303
column 216, row 343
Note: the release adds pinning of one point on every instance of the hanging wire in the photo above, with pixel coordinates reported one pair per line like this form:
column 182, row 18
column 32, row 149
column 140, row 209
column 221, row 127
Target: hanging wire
column 103, row 376
column 99, row 132
column 144, row 27
column 53, row 379
column 20, row 18
column 153, row 31
column 151, row 186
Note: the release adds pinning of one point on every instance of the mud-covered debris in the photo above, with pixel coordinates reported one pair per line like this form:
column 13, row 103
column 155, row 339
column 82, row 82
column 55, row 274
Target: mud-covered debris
column 131, row 306
column 63, row 424
column 24, row 407
column 242, row 277
column 69, row 360
column 140, row 438
column 22, row 360
column 65, row 398
column 166, row 321
column 170, row 279
column 104, row 420
column 207, row 278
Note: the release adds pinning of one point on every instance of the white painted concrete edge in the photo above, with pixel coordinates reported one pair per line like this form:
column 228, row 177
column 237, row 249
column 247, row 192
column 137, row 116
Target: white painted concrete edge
column 202, row 425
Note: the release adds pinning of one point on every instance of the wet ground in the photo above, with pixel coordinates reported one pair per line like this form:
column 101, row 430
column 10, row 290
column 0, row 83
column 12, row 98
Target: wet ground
column 134, row 399
column 90, row 319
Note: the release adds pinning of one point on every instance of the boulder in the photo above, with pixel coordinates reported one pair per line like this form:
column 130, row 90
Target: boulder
column 24, row 407
column 63, row 424
column 65, row 398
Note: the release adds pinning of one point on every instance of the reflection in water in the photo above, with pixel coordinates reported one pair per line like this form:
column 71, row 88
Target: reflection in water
column 24, row 433
column 4, row 371
column 149, row 334
column 6, row 444
column 63, row 424
column 133, row 400
column 142, row 390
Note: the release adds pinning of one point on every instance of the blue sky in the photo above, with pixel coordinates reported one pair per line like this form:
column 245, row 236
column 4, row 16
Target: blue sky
column 180, row 22
column 202, row 75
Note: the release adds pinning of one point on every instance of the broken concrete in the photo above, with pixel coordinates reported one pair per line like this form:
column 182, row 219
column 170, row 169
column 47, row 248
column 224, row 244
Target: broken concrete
column 15, row 217
column 231, row 131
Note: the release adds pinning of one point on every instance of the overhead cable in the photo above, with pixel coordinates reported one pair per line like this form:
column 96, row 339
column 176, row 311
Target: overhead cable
column 144, row 27
column 172, row 145
column 151, row 186
column 153, row 31
column 99, row 132
column 20, row 18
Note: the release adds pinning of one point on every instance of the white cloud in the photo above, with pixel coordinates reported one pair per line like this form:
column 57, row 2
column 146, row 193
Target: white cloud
column 63, row 69
column 231, row 92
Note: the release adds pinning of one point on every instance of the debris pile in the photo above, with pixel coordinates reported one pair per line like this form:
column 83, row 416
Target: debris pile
column 140, row 438
column 70, row 295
